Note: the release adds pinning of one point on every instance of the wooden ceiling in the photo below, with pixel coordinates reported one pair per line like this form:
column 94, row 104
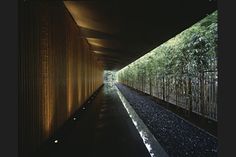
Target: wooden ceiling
column 119, row 32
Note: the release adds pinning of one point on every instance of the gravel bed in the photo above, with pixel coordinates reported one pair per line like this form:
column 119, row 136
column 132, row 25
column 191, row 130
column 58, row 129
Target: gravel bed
column 178, row 137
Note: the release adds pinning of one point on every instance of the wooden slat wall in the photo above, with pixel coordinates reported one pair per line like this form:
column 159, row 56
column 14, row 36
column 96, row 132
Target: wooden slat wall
column 57, row 71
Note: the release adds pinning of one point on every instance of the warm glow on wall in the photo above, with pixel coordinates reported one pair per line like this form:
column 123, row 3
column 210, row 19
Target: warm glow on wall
column 69, row 86
column 58, row 73
column 46, row 84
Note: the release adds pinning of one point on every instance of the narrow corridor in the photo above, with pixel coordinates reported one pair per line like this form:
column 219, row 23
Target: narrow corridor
column 102, row 129
column 71, row 50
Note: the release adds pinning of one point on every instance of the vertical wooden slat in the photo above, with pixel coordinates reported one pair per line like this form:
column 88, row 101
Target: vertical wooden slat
column 57, row 72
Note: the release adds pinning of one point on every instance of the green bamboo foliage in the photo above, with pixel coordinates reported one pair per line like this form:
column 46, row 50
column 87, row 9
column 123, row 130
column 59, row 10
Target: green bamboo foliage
column 182, row 71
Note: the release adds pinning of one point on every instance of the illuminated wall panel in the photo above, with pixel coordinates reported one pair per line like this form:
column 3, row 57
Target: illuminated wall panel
column 57, row 72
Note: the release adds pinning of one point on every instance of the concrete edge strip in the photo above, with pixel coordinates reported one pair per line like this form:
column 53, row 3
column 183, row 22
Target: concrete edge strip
column 153, row 146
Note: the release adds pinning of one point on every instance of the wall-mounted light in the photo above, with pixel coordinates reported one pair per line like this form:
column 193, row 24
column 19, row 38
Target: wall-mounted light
column 98, row 52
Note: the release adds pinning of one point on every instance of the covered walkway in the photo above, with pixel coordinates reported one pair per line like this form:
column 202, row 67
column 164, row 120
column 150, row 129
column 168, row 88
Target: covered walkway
column 162, row 48
column 102, row 128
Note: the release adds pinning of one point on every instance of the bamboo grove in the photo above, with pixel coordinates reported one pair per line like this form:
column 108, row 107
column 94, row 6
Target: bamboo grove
column 182, row 71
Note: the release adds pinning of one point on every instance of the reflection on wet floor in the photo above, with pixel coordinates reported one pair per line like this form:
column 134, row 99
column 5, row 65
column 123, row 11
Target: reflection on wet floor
column 103, row 129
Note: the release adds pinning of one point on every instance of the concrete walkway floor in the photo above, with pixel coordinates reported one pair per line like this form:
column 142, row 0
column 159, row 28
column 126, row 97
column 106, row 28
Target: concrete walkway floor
column 102, row 129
